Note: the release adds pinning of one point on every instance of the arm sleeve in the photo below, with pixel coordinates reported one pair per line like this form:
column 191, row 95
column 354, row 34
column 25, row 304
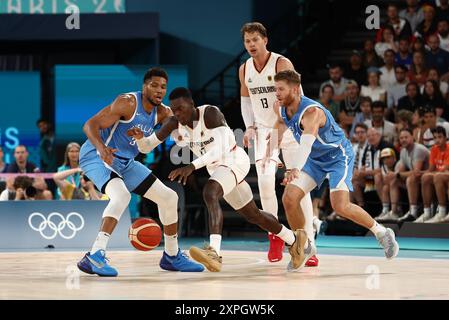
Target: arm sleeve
column 147, row 144
column 247, row 111
column 217, row 151
column 305, row 147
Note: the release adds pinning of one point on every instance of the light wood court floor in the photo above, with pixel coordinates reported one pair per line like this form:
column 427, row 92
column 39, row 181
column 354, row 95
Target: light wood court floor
column 245, row 275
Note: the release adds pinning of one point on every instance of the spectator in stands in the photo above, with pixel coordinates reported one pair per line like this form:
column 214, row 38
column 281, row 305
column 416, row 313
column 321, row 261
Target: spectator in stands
column 414, row 159
column 397, row 90
column 2, row 163
column 360, row 145
column 404, row 120
column 443, row 85
column 387, row 76
column 429, row 25
column 47, row 146
column 350, row 105
column 438, row 163
column 362, row 116
column 429, row 124
column 418, row 123
column 418, row 71
column 363, row 180
column 21, row 163
column 25, row 188
column 437, row 57
column 386, row 128
column 369, row 56
column 327, row 93
column 432, row 97
column 373, row 89
column 388, row 163
column 412, row 100
column 442, row 10
column 418, row 45
column 71, row 162
column 400, row 26
column 403, row 56
column 387, row 42
column 443, row 34
column 337, row 81
column 69, row 191
column 356, row 71
column 413, row 14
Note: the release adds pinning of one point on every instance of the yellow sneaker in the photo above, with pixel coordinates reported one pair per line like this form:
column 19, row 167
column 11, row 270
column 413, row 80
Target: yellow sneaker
column 298, row 253
column 207, row 257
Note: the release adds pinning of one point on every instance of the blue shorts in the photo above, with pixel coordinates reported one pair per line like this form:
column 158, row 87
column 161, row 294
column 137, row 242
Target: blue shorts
column 132, row 172
column 336, row 166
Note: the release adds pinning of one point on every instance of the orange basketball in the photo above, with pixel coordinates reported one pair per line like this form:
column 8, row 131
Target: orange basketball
column 145, row 234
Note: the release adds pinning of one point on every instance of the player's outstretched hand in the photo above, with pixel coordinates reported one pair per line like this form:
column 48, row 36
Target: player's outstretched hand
column 136, row 133
column 290, row 176
column 181, row 174
column 250, row 133
column 107, row 155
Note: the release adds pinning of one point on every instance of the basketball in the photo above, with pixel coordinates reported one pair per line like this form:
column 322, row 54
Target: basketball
column 145, row 234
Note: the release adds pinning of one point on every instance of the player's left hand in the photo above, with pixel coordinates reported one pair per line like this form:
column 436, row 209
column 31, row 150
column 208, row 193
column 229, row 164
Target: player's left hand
column 181, row 174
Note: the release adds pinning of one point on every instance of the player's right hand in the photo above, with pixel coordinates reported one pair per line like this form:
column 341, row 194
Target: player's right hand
column 107, row 155
column 136, row 133
column 250, row 134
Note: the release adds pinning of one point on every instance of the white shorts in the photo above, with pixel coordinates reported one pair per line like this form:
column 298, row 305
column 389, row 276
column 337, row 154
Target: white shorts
column 237, row 162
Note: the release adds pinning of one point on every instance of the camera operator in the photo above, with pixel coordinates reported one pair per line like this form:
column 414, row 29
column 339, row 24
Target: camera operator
column 25, row 188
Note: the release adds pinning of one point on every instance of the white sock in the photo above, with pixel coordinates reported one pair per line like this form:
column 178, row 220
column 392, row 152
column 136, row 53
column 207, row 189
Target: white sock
column 316, row 222
column 307, row 209
column 171, row 244
column 287, row 235
column 414, row 210
column 215, row 242
column 427, row 211
column 101, row 242
column 442, row 210
column 378, row 229
column 385, row 207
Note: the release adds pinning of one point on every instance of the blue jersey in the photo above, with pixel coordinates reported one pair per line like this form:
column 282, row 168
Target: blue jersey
column 116, row 136
column 330, row 138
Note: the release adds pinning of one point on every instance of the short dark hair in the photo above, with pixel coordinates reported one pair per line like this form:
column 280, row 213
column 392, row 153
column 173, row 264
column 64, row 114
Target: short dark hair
column 366, row 99
column 440, row 130
column 251, row 27
column 401, row 66
column 180, row 92
column 361, row 125
column 390, row 50
column 290, row 76
column 378, row 104
column 428, row 109
column 327, row 85
column 22, row 182
column 155, row 72
column 406, row 129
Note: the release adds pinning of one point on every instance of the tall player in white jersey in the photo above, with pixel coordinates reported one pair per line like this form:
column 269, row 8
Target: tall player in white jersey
column 205, row 131
column 258, row 100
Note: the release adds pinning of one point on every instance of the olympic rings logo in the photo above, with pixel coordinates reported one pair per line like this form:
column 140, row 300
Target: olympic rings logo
column 55, row 226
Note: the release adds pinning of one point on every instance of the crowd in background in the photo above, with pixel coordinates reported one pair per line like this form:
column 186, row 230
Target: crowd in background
column 392, row 101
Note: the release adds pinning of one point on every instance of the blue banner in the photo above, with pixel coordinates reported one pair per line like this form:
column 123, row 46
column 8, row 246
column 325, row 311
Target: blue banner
column 62, row 224
column 59, row 6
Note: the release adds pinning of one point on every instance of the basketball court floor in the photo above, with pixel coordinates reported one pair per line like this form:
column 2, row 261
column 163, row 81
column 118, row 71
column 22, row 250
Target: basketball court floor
column 350, row 268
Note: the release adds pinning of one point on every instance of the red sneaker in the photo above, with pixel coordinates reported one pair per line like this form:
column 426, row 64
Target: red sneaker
column 276, row 248
column 312, row 262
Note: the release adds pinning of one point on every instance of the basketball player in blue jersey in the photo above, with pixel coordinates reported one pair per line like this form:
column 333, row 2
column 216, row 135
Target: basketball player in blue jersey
column 107, row 159
column 324, row 152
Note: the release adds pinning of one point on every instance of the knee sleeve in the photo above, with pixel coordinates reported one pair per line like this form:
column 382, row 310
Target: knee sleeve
column 267, row 188
column 119, row 198
column 166, row 200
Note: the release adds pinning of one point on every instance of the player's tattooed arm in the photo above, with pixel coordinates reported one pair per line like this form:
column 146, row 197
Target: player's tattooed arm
column 122, row 108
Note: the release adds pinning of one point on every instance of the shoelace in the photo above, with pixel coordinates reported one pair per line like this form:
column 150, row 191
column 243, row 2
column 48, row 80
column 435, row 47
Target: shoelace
column 103, row 254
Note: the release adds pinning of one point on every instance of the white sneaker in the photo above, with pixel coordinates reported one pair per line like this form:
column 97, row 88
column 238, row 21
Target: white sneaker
column 446, row 219
column 391, row 216
column 439, row 217
column 382, row 215
column 423, row 218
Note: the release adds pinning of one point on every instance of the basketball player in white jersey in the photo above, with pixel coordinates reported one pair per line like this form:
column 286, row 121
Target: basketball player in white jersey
column 205, row 131
column 258, row 99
